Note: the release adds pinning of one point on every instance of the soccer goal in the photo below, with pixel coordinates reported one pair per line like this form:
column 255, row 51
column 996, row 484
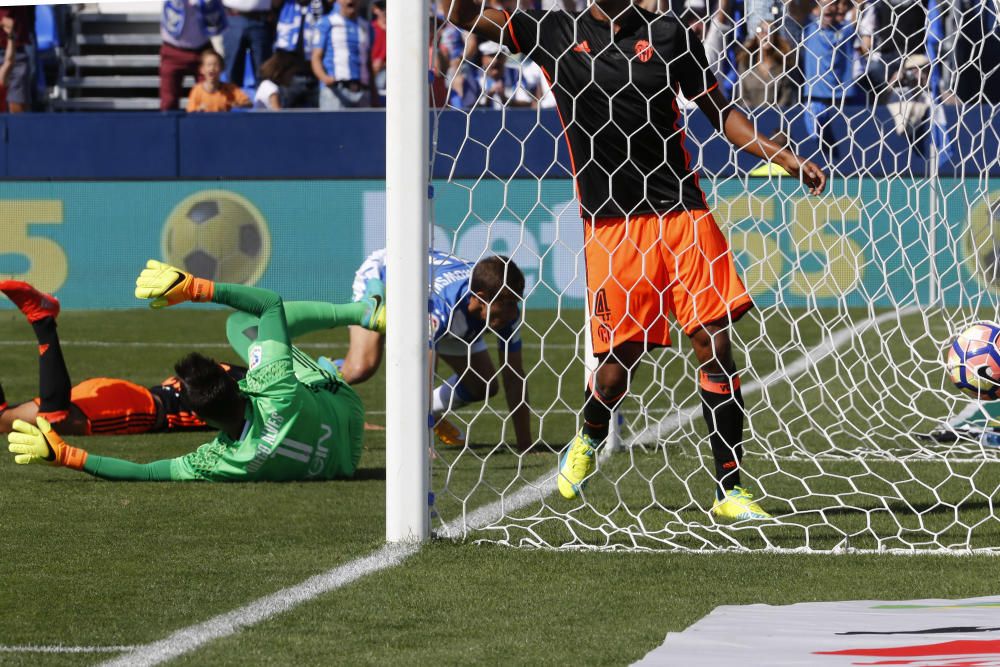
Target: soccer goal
column 857, row 292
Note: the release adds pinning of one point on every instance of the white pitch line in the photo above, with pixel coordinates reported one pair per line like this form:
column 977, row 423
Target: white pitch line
column 190, row 638
column 224, row 625
column 546, row 484
column 31, row 648
column 813, row 355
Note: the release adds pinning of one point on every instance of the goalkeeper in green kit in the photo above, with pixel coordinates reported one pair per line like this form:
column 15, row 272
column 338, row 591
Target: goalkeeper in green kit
column 287, row 420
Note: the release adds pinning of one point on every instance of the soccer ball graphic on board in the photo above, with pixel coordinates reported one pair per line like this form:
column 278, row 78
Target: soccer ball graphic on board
column 219, row 235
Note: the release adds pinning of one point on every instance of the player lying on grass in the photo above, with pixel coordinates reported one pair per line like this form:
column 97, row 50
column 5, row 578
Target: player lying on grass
column 97, row 406
column 651, row 245
column 466, row 299
column 288, row 419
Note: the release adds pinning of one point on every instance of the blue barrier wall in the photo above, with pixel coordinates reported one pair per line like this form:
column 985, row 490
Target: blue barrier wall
column 519, row 143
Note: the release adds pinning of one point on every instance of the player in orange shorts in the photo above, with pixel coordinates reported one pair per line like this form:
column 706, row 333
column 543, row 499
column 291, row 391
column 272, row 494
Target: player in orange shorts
column 651, row 246
column 98, row 406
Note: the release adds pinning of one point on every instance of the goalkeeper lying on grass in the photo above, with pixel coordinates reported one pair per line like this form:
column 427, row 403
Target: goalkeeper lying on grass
column 287, row 420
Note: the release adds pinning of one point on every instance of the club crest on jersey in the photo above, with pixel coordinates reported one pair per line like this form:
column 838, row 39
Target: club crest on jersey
column 255, row 356
column 643, row 51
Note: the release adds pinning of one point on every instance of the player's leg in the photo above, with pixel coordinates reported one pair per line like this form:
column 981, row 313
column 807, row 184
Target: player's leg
column 474, row 379
column 608, row 387
column 365, row 317
column 721, row 401
column 625, row 283
column 53, row 378
column 303, row 317
column 723, row 409
column 707, row 295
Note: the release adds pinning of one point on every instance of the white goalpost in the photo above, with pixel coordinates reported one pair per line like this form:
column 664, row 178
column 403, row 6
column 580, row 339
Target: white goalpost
column 857, row 295
column 407, row 511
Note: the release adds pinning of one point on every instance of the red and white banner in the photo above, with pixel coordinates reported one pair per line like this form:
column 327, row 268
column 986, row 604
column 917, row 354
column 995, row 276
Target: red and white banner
column 918, row 633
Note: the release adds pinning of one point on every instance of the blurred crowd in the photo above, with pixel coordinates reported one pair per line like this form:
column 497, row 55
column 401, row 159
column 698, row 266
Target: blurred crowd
column 822, row 54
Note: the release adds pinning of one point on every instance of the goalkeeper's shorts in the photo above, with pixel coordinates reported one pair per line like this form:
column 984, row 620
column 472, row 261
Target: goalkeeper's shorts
column 114, row 407
column 643, row 267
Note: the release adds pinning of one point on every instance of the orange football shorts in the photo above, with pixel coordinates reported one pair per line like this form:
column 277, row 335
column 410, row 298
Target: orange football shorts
column 643, row 267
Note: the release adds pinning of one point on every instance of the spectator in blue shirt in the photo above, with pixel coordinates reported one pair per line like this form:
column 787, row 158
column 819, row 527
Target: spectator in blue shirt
column 828, row 61
column 341, row 58
column 298, row 21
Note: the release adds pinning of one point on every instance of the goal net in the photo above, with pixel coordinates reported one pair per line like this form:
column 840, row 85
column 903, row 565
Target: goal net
column 857, row 291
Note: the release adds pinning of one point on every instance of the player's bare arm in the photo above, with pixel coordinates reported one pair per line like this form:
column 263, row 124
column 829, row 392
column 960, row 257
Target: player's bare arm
column 483, row 21
column 740, row 132
column 515, row 390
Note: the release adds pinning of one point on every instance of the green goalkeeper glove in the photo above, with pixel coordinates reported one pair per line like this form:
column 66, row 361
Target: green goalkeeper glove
column 42, row 445
column 168, row 285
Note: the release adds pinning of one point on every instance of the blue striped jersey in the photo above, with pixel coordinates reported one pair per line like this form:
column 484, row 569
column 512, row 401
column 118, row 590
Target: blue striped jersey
column 448, row 304
column 346, row 45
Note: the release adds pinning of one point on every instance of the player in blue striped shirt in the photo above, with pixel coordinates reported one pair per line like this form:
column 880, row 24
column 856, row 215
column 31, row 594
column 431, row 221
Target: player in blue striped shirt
column 466, row 300
column 341, row 58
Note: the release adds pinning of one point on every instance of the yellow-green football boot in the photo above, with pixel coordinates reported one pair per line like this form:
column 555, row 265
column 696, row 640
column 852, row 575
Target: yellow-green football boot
column 577, row 464
column 374, row 317
column 738, row 505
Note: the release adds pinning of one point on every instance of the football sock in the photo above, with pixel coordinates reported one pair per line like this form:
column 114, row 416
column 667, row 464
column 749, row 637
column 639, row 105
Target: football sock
column 597, row 414
column 53, row 378
column 722, row 407
column 450, row 395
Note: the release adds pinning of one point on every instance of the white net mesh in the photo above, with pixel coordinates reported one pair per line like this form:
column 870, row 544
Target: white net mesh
column 857, row 291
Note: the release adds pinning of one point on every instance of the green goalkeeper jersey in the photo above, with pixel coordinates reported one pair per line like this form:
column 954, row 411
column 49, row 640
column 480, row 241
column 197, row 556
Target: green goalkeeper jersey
column 294, row 430
column 301, row 422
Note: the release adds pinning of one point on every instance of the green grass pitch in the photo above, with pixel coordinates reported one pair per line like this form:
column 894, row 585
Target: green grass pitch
column 90, row 563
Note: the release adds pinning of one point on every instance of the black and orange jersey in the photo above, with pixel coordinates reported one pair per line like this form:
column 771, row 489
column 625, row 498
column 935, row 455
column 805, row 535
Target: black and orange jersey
column 617, row 97
column 114, row 407
column 178, row 416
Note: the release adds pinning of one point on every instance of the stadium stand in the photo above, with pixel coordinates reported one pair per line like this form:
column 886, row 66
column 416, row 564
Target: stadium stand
column 112, row 62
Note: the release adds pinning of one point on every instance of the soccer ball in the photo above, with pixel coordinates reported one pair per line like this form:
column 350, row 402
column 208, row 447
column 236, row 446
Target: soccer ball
column 974, row 361
column 219, row 235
